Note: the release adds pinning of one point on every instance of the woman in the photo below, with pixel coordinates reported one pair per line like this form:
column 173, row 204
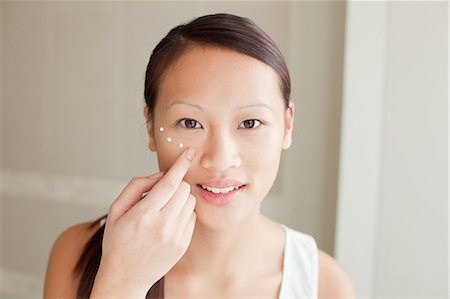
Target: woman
column 218, row 116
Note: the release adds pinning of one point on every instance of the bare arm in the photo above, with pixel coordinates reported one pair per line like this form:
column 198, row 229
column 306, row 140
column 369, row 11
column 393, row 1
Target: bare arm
column 59, row 281
column 334, row 281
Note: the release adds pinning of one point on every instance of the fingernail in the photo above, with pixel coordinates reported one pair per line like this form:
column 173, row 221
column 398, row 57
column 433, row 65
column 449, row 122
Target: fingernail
column 190, row 153
column 156, row 175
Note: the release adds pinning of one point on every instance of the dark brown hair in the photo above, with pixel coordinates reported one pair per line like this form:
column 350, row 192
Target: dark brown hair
column 217, row 30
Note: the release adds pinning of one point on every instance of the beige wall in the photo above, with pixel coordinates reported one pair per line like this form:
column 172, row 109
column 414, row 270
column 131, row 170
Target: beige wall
column 72, row 128
column 413, row 223
column 392, row 224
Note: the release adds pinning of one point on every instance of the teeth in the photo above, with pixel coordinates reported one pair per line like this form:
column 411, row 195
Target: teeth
column 219, row 190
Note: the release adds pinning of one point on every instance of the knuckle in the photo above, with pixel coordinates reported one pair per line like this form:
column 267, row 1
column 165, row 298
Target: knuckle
column 181, row 248
column 145, row 221
column 192, row 200
column 142, row 223
column 164, row 230
column 164, row 220
column 112, row 208
column 160, row 237
column 186, row 187
column 179, row 245
column 134, row 182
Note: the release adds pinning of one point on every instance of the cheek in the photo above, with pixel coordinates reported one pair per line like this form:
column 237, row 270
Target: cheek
column 265, row 141
column 170, row 136
column 263, row 172
column 262, row 159
column 258, row 156
column 168, row 147
column 166, row 157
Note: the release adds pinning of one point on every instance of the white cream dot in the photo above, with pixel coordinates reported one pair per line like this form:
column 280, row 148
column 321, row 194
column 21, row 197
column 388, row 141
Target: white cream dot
column 161, row 129
column 180, row 145
column 169, row 139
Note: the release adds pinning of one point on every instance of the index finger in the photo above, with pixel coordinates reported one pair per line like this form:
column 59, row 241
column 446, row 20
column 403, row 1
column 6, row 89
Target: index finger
column 169, row 183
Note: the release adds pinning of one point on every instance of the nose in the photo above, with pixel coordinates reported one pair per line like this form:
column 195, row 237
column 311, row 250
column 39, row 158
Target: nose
column 220, row 152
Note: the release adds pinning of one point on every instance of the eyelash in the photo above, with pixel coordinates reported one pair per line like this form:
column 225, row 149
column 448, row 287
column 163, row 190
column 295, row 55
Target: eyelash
column 184, row 119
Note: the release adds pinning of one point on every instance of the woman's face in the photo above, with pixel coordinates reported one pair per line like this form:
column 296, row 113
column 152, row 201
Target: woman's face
column 229, row 107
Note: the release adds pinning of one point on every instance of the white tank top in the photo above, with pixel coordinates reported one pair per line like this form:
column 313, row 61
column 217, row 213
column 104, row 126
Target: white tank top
column 300, row 266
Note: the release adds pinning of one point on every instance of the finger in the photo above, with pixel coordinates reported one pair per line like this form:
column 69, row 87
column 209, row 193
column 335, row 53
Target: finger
column 189, row 228
column 169, row 183
column 186, row 211
column 178, row 200
column 131, row 194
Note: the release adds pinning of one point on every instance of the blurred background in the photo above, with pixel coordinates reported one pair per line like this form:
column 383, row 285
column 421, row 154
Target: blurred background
column 367, row 174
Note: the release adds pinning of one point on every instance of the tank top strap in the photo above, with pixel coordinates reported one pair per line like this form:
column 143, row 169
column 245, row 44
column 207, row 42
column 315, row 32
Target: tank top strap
column 300, row 266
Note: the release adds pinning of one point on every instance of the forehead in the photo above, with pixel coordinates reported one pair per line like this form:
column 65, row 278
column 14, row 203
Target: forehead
column 216, row 75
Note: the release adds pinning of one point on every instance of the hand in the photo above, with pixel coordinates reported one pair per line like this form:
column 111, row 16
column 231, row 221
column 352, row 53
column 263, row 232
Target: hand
column 146, row 236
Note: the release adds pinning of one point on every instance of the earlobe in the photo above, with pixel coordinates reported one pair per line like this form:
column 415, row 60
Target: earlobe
column 289, row 125
column 286, row 143
column 152, row 145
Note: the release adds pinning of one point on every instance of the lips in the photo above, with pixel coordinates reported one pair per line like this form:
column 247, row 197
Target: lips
column 220, row 192
column 220, row 199
column 221, row 183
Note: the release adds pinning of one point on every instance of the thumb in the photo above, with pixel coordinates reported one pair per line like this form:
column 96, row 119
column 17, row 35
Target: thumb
column 132, row 194
column 154, row 178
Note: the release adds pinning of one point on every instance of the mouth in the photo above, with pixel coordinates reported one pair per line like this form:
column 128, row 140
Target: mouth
column 219, row 190
column 220, row 196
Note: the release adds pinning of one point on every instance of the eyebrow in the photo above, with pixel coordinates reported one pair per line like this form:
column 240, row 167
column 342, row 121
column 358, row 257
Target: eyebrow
column 201, row 109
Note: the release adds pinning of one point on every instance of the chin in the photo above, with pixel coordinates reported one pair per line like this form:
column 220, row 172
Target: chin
column 221, row 219
column 217, row 227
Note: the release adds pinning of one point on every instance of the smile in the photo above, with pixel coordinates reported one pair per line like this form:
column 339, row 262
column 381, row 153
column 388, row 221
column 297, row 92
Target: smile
column 220, row 196
column 219, row 190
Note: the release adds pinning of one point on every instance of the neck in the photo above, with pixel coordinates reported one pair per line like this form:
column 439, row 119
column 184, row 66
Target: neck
column 229, row 253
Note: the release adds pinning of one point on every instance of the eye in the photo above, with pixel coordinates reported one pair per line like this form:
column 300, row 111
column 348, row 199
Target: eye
column 189, row 123
column 250, row 123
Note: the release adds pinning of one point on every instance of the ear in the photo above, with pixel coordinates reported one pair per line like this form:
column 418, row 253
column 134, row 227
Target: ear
column 289, row 125
column 150, row 130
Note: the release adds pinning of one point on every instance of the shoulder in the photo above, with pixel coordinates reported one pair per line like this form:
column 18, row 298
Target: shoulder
column 334, row 281
column 66, row 250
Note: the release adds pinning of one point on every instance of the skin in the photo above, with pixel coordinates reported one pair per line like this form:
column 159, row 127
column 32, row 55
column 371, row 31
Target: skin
column 221, row 259
column 221, row 81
